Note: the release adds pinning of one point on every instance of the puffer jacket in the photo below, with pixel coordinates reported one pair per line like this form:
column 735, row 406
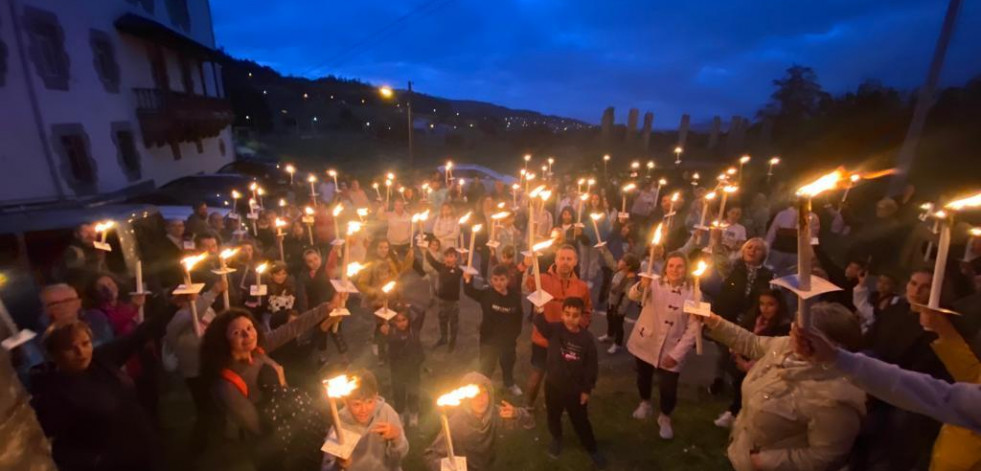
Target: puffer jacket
column 957, row 448
column 796, row 415
column 663, row 329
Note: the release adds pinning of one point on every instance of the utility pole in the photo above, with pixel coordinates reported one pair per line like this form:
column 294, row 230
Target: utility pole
column 408, row 106
column 904, row 161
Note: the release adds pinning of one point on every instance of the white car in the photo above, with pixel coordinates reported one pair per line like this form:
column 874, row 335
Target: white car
column 487, row 176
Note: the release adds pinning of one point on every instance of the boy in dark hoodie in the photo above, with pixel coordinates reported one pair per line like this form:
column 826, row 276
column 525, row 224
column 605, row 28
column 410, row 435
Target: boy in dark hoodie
column 475, row 427
column 448, row 275
column 571, row 368
column 500, row 324
column 405, row 359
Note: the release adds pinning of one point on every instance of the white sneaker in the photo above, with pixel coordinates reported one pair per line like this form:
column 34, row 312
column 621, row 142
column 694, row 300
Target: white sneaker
column 604, row 338
column 613, row 349
column 374, row 349
column 643, row 411
column 413, row 420
column 664, row 423
column 725, row 420
column 515, row 390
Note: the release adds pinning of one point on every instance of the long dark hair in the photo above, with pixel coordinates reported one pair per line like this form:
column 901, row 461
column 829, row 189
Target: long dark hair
column 782, row 316
column 216, row 353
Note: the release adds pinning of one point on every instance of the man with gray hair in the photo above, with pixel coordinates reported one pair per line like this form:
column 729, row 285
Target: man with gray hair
column 61, row 304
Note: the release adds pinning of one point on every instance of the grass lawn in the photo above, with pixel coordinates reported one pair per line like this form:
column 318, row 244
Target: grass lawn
column 628, row 444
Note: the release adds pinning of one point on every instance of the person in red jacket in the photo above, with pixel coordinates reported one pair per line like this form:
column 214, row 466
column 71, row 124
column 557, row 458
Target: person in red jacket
column 561, row 282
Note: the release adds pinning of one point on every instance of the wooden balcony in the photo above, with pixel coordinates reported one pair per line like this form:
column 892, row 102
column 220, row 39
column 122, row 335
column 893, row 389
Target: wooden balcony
column 168, row 117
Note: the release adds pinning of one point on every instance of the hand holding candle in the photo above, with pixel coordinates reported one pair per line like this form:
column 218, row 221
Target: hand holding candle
column 453, row 399
column 697, row 295
column 338, row 387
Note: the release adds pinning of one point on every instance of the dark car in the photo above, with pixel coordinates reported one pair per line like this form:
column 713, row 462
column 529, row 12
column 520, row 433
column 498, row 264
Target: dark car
column 267, row 172
column 215, row 190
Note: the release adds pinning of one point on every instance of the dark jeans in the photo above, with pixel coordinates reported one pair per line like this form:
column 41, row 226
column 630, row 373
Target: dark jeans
column 206, row 418
column 336, row 337
column 604, row 292
column 667, row 385
column 614, row 325
column 405, row 388
column 737, row 392
column 502, row 353
column 558, row 401
column 449, row 318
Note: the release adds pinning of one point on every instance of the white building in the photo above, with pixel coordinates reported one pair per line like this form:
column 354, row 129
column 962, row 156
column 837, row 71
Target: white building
column 100, row 95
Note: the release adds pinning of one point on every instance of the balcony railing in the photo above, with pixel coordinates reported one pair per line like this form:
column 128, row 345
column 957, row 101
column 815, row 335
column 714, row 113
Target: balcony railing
column 168, row 117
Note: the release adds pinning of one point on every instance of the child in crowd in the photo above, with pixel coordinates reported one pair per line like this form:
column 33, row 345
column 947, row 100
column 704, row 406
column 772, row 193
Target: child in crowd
column 514, row 270
column 475, row 427
column 570, row 376
column 383, row 445
column 500, row 324
column 448, row 275
column 405, row 360
column 618, row 303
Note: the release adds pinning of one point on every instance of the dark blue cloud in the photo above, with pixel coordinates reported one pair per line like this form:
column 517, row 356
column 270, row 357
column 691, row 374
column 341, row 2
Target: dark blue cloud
column 575, row 57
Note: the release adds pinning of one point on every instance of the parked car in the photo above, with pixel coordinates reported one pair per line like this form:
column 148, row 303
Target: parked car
column 487, row 176
column 268, row 173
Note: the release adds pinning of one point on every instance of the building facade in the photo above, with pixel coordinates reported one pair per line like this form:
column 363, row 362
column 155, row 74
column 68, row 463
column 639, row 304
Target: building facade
column 100, row 95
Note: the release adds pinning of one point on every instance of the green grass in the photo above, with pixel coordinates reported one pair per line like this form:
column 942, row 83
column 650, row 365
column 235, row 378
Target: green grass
column 628, row 444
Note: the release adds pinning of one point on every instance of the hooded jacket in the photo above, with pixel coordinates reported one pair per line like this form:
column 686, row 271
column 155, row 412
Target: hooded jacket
column 796, row 415
column 374, row 453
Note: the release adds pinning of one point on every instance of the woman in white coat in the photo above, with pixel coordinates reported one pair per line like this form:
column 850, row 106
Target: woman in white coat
column 662, row 338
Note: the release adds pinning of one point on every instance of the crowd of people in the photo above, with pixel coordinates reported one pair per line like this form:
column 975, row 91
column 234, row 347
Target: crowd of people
column 252, row 346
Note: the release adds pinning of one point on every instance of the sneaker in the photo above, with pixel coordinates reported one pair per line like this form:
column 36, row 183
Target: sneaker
column 725, row 420
column 664, row 423
column 598, row 459
column 554, row 448
column 604, row 338
column 413, row 419
column 613, row 349
column 717, row 387
column 529, row 421
column 643, row 411
column 515, row 390
column 374, row 349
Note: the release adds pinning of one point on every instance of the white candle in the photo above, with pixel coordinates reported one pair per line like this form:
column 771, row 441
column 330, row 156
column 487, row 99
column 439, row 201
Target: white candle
column 139, row 288
column 803, row 257
column 939, row 267
column 473, row 238
column 595, row 217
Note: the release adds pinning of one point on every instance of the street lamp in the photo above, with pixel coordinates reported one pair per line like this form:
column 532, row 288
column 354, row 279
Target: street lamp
column 387, row 92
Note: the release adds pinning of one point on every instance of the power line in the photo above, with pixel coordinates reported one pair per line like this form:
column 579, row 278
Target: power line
column 376, row 36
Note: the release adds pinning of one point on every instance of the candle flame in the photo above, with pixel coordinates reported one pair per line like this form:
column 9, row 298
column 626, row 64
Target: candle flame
column 596, row 216
column 700, row 270
column 710, row 195
column 545, row 195
column 449, row 164
column 530, row 176
column 538, row 189
column 353, row 268
column 104, row 226
column 515, row 187
column 312, row 178
column 774, row 160
column 674, row 196
column 476, row 228
column 401, row 189
column 591, row 182
column 500, row 215
column 731, row 171
column 455, row 397
column 635, row 164
column 308, row 211
column 662, row 182
column 262, row 268
column 466, row 217
column 463, row 181
column 362, row 212
column 390, row 176
column 650, row 164
column 606, row 157
column 581, row 181
column 825, row 183
column 332, row 172
column 854, row 177
column 975, row 232
column 388, row 287
column 629, row 187
column 374, row 185
column 353, row 227
column 279, row 222
column 656, row 240
column 253, row 186
column 228, row 253
column 744, row 159
column 584, row 196
column 527, row 157
column 340, row 386
column 388, row 183
column 730, row 188
column 542, row 245
column 972, row 201
column 236, row 194
column 337, row 209
column 189, row 262
column 290, row 168
column 260, row 191
column 696, row 176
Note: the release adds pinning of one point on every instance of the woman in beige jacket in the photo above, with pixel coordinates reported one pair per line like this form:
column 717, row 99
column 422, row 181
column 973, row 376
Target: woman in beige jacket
column 795, row 415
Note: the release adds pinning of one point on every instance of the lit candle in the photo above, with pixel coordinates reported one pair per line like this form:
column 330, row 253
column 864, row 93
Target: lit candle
column 290, row 169
column 235, row 197
column 852, row 179
column 453, row 399
column 352, row 228
column 742, row 161
column 463, row 220
column 102, row 229
column 579, row 184
column 139, row 288
column 946, row 217
column 333, row 174
column 377, row 191
column 671, row 209
column 388, row 193
column 313, row 190
column 449, row 172
column 336, row 217
column 259, row 270
column 189, row 263
column 259, row 191
column 655, row 241
column 338, row 387
column 606, row 160
column 804, row 196
column 769, row 170
column 308, row 219
column 697, row 295
column 223, row 259
column 514, row 194
column 657, row 191
column 582, row 202
column 677, row 155
column 495, row 221
column 280, row 224
column 254, row 187
column 550, row 162
column 535, row 249
column 722, row 205
column 623, row 203
column 386, row 290
column 527, row 159
column 402, row 193
column 596, row 217
column 473, row 237
column 706, row 201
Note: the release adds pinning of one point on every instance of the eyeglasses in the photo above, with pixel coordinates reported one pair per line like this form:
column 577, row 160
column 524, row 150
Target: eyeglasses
column 61, row 301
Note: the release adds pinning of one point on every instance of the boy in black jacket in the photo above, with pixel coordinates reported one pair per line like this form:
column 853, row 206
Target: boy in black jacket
column 500, row 324
column 405, row 358
column 570, row 376
column 448, row 275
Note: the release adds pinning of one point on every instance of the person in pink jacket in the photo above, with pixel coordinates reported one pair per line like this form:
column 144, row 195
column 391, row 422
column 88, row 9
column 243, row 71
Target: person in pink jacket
column 662, row 338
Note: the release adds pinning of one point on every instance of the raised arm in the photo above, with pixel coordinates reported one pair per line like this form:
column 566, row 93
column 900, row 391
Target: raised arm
column 740, row 340
column 120, row 349
column 290, row 330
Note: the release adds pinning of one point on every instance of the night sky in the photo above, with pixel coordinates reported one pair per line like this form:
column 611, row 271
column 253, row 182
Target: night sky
column 575, row 57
